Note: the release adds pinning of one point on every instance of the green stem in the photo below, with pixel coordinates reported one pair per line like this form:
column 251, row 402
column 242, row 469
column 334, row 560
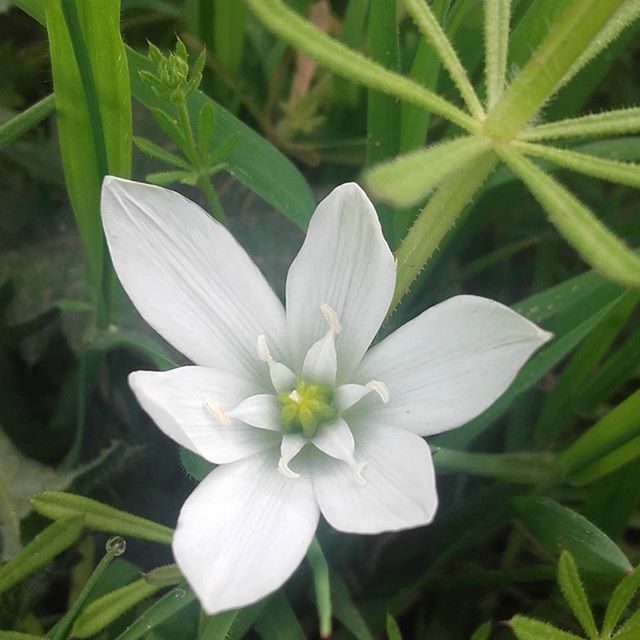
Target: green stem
column 568, row 38
column 9, row 521
column 435, row 220
column 194, row 158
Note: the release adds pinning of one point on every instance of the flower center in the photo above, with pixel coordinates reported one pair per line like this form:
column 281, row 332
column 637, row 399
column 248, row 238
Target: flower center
column 306, row 407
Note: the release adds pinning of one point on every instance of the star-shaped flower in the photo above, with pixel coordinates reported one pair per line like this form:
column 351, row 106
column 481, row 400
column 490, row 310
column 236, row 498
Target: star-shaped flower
column 300, row 415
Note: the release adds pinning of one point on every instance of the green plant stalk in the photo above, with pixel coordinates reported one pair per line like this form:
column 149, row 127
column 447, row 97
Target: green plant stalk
column 24, row 121
column 61, row 629
column 333, row 55
column 203, row 181
column 576, row 28
column 435, row 220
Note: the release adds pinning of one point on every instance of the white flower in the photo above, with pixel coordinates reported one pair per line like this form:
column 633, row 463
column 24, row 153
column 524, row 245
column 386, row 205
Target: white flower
column 301, row 418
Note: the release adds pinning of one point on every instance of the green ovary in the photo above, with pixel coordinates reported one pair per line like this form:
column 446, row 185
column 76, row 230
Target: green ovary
column 306, row 407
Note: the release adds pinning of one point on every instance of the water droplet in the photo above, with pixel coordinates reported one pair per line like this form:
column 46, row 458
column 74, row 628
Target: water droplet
column 179, row 593
column 116, row 546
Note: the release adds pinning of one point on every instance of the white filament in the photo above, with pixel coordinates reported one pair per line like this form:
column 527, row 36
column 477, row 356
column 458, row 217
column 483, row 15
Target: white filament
column 380, row 388
column 217, row 412
column 331, row 317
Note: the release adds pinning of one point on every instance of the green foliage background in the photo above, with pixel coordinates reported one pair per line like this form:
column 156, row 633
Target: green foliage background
column 464, row 121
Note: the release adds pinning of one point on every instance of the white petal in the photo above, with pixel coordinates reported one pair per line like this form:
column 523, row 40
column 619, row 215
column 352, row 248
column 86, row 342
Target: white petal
column 243, row 532
column 450, row 363
column 189, row 278
column 346, row 264
column 175, row 400
column 261, row 411
column 320, row 363
column 336, row 440
column 349, row 394
column 398, row 488
column 291, row 445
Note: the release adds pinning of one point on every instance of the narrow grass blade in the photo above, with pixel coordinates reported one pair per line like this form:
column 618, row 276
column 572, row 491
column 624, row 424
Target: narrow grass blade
column 115, row 547
column 609, row 123
column 42, row 549
column 350, row 64
column 320, row 570
column 103, row 611
column 383, row 110
column 26, row 120
column 609, row 444
column 575, row 595
column 17, row 635
column 278, row 621
column 98, row 516
column 496, row 42
column 93, row 106
column 162, row 610
column 218, row 627
column 346, row 611
column 229, row 17
column 393, row 630
column 432, row 31
column 619, row 172
column 595, row 243
column 407, row 179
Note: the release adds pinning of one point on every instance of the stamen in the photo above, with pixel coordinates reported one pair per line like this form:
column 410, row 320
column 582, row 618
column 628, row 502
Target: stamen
column 217, row 412
column 331, row 317
column 285, row 470
column 357, row 473
column 380, row 388
column 263, row 349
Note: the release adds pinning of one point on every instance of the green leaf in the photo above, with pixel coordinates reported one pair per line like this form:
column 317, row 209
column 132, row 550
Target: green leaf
column 164, row 576
column 206, row 127
column 218, row 626
column 98, row 516
column 196, row 466
column 93, row 107
column 393, row 630
column 624, row 16
column 496, row 42
column 558, row 527
column 611, row 170
column 482, row 632
column 597, row 245
column 165, row 178
column 166, row 607
column 154, row 151
column 530, row 629
column 322, row 587
column 229, row 19
column 383, row 110
column 433, row 32
column 16, row 635
column 407, row 179
column 591, row 455
column 42, row 549
column 278, row 621
column 103, row 611
column 608, row 123
column 631, row 626
column 571, row 34
column 620, row 600
column 26, row 120
column 346, row 611
column 574, row 594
